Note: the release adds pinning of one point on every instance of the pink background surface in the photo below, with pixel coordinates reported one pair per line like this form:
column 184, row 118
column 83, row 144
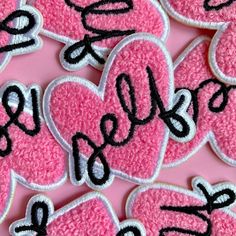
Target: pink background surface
column 43, row 66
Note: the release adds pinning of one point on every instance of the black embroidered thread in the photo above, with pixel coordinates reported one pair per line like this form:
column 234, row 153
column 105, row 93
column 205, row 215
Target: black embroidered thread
column 223, row 91
column 14, row 116
column 129, row 229
column 4, row 26
column 86, row 43
column 109, row 135
column 209, row 207
column 218, row 7
column 38, row 226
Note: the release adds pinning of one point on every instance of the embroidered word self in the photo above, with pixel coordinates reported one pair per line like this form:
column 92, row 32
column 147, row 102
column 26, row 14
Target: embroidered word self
column 170, row 118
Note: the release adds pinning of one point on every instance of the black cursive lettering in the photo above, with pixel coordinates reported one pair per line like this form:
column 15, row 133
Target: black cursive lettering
column 4, row 26
column 109, row 136
column 40, row 216
column 223, row 91
column 38, row 226
column 86, row 43
column 209, row 207
column 15, row 114
column 218, row 7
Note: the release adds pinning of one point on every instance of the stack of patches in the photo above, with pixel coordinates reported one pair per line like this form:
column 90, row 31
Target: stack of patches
column 144, row 114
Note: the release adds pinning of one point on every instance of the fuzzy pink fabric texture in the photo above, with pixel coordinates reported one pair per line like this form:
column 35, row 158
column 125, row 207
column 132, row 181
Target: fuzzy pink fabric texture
column 74, row 105
column 89, row 218
column 89, row 215
column 170, row 210
column 37, row 162
column 212, row 14
column 215, row 102
column 98, row 23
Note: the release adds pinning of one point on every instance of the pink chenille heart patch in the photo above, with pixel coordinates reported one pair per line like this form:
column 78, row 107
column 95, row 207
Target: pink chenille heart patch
column 28, row 152
column 90, row 214
column 212, row 14
column 170, row 210
column 120, row 127
column 91, row 28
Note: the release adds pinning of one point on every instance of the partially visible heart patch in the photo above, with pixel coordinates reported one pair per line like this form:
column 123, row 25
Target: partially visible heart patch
column 212, row 107
column 170, row 210
column 219, row 15
column 90, row 214
column 91, row 28
column 28, row 152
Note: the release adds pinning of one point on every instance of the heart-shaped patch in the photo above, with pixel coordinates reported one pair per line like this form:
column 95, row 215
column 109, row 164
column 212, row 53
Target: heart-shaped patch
column 121, row 125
